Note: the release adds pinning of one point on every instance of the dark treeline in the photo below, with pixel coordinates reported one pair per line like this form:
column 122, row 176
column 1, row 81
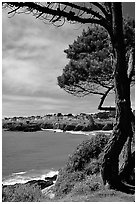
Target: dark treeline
column 68, row 122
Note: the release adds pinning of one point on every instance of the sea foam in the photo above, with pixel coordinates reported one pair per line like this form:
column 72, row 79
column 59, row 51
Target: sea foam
column 23, row 177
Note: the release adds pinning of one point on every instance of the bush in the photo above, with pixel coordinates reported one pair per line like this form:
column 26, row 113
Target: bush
column 108, row 126
column 87, row 186
column 62, row 126
column 69, row 127
column 66, row 182
column 78, row 127
column 84, row 161
column 21, row 193
column 99, row 126
column 93, row 167
column 88, row 128
column 87, row 150
column 47, row 126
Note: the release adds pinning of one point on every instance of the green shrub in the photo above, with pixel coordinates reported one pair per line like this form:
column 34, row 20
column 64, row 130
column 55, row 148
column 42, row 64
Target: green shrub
column 21, row 193
column 79, row 127
column 84, row 161
column 99, row 126
column 66, row 182
column 69, row 127
column 87, row 186
column 108, row 126
column 87, row 150
column 93, row 167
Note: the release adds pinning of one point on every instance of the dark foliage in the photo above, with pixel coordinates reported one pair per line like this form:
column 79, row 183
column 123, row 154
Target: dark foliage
column 84, row 161
column 90, row 69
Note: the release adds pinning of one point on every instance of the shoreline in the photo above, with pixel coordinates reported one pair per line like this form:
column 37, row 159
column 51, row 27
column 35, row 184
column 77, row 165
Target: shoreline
column 24, row 177
column 80, row 132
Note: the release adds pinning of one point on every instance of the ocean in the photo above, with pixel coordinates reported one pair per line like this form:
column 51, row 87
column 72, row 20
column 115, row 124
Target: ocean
column 35, row 155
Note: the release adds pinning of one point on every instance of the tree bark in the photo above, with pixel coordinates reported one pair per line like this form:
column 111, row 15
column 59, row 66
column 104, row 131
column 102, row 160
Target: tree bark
column 126, row 173
column 122, row 129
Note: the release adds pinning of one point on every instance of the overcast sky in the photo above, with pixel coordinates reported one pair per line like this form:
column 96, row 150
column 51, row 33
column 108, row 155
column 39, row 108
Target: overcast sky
column 32, row 58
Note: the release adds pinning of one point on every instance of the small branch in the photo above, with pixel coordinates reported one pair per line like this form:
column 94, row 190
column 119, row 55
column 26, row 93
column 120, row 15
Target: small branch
column 70, row 16
column 85, row 9
column 13, row 10
column 107, row 108
column 98, row 5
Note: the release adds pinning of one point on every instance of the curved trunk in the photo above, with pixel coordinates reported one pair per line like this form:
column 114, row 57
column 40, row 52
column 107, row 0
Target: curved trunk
column 122, row 129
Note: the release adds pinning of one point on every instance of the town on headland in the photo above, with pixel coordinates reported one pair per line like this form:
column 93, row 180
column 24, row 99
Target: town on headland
column 64, row 122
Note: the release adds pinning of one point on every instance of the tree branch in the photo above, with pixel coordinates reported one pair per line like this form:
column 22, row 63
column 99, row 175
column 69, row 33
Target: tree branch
column 98, row 5
column 102, row 101
column 81, row 91
column 70, row 16
column 85, row 9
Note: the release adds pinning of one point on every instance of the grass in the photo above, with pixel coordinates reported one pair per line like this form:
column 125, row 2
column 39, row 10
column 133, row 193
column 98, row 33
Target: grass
column 91, row 189
column 21, row 193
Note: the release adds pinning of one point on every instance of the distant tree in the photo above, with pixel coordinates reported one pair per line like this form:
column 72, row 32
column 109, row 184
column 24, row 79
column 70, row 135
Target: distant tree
column 108, row 15
column 70, row 115
column 59, row 114
column 102, row 115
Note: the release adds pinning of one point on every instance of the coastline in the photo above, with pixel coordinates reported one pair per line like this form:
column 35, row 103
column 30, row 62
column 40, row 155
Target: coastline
column 80, row 132
column 82, row 122
column 25, row 176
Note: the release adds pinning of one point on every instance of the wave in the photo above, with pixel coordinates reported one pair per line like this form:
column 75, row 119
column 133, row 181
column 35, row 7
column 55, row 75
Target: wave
column 90, row 132
column 23, row 177
column 19, row 173
column 80, row 132
column 53, row 130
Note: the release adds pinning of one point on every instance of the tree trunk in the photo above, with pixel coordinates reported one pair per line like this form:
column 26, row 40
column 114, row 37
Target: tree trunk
column 122, row 128
column 126, row 173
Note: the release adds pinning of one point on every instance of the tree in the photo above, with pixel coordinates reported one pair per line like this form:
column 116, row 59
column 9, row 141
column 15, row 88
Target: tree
column 90, row 67
column 109, row 16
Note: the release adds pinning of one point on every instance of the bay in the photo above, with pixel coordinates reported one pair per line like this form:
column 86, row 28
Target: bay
column 29, row 155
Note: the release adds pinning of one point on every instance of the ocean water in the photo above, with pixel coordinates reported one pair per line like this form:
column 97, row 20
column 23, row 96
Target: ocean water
column 34, row 155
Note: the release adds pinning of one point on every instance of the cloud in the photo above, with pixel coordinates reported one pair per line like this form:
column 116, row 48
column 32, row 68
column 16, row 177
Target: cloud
column 20, row 105
column 32, row 58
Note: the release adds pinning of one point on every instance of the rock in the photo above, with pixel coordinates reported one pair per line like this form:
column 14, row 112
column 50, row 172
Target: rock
column 53, row 178
column 41, row 183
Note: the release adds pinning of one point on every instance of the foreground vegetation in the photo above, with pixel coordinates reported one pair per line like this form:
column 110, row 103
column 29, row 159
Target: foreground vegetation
column 79, row 180
column 21, row 193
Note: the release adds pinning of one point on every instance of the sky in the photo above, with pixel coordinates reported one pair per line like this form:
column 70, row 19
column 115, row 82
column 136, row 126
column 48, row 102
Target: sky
column 32, row 59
